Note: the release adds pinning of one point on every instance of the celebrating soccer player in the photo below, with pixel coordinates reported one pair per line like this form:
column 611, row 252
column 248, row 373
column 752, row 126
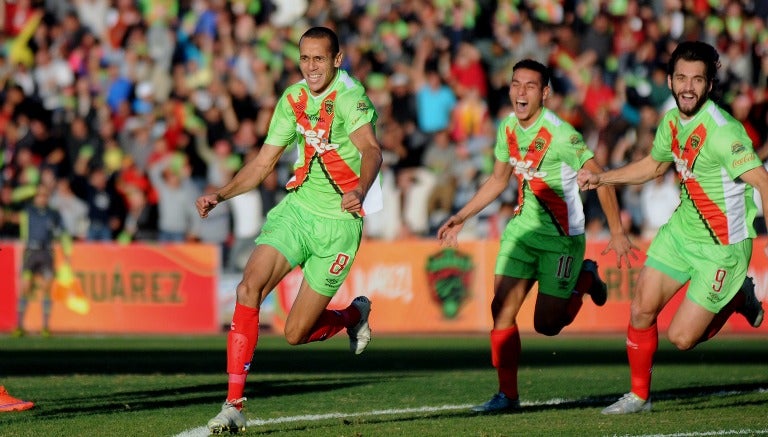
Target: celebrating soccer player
column 318, row 225
column 545, row 240
column 707, row 241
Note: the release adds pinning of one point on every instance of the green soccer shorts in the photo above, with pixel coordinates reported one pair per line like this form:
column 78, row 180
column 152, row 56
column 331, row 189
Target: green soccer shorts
column 554, row 261
column 716, row 271
column 324, row 248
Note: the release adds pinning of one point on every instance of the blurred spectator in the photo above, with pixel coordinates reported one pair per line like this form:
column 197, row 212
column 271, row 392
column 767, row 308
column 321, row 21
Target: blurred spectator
column 52, row 76
column 9, row 213
column 80, row 139
column 440, row 159
column 73, row 210
column 247, row 218
column 658, row 198
column 177, row 217
column 216, row 228
column 105, row 206
column 140, row 218
column 467, row 71
column 434, row 98
column 468, row 115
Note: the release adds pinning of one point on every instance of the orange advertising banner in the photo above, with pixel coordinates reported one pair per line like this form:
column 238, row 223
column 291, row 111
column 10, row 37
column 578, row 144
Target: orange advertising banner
column 419, row 287
column 136, row 288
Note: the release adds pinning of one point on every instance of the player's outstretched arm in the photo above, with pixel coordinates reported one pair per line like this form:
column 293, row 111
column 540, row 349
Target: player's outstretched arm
column 248, row 178
column 488, row 192
column 635, row 173
column 619, row 242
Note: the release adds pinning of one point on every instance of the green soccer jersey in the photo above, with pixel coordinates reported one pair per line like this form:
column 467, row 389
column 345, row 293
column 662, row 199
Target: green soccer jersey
column 328, row 164
column 710, row 152
column 546, row 157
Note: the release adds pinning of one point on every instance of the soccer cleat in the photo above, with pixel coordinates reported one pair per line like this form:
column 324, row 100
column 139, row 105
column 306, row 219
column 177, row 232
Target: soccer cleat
column 752, row 309
column 360, row 334
column 10, row 403
column 628, row 404
column 598, row 291
column 230, row 419
column 498, row 403
column 18, row 333
column 45, row 333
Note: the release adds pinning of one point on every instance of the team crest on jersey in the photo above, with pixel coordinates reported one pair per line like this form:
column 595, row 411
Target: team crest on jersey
column 539, row 143
column 329, row 107
column 695, row 141
column 737, row 148
column 362, row 106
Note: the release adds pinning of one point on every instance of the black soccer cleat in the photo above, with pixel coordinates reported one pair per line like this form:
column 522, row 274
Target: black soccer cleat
column 752, row 310
column 598, row 291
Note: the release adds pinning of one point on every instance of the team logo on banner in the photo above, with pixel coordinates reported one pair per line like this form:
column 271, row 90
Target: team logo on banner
column 449, row 273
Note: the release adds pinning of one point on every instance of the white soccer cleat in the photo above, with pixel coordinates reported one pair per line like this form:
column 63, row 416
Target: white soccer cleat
column 628, row 404
column 360, row 334
column 498, row 403
column 229, row 419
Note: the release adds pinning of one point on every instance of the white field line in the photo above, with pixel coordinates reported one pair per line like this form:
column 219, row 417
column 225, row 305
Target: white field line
column 710, row 433
column 202, row 431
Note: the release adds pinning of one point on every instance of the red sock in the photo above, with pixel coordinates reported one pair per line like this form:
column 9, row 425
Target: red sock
column 641, row 347
column 241, row 343
column 331, row 322
column 584, row 283
column 574, row 305
column 722, row 316
column 505, row 355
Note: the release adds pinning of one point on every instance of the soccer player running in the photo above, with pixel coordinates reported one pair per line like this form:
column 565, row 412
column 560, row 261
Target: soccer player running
column 707, row 241
column 318, row 225
column 544, row 242
column 39, row 228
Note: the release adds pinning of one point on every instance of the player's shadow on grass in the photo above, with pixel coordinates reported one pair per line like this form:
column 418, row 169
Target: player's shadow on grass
column 40, row 362
column 200, row 394
column 698, row 398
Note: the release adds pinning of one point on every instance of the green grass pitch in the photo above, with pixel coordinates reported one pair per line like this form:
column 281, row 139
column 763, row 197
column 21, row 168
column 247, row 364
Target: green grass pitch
column 401, row 386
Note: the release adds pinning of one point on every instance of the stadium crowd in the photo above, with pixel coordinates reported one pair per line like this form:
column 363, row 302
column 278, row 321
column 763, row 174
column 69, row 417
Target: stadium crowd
column 129, row 109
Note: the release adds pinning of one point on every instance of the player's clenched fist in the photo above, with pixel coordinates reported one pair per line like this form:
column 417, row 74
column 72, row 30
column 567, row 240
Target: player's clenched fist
column 206, row 203
column 587, row 180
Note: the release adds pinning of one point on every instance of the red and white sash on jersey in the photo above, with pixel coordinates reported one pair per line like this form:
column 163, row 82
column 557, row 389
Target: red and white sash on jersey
column 685, row 157
column 525, row 169
column 316, row 146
